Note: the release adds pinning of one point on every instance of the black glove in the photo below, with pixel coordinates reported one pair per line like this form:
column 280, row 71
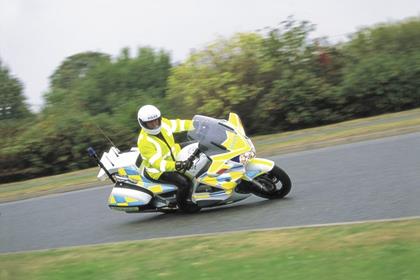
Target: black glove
column 183, row 165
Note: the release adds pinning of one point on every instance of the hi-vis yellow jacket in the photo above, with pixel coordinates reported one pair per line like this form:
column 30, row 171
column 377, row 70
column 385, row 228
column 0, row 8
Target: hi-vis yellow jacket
column 156, row 153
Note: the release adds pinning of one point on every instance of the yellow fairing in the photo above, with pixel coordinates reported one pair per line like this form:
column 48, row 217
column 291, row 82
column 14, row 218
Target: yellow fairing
column 201, row 195
column 211, row 181
column 217, row 182
column 236, row 122
column 229, row 185
column 257, row 166
column 235, row 142
column 236, row 145
column 265, row 163
column 236, row 175
column 226, row 181
column 221, row 195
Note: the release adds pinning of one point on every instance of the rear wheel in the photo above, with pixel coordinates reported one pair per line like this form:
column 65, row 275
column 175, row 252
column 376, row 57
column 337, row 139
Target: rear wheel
column 274, row 184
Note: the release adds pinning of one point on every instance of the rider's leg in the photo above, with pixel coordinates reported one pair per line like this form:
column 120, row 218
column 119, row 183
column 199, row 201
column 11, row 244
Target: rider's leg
column 183, row 184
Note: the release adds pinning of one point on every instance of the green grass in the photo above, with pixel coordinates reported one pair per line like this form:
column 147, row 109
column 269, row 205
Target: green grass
column 341, row 133
column 48, row 185
column 387, row 250
column 266, row 145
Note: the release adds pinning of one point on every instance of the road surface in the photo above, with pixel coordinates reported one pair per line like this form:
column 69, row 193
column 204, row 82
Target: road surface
column 375, row 179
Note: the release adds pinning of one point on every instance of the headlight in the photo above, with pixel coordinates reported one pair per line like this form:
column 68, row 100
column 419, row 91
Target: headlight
column 244, row 158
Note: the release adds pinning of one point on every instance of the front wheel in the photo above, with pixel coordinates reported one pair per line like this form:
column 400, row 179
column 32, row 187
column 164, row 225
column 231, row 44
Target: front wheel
column 274, row 184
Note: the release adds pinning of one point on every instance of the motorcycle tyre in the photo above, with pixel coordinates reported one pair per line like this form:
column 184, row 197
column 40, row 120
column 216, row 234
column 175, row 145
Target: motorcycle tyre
column 281, row 176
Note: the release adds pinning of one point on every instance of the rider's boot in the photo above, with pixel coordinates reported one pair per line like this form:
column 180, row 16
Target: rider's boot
column 172, row 204
column 184, row 185
column 184, row 199
column 185, row 202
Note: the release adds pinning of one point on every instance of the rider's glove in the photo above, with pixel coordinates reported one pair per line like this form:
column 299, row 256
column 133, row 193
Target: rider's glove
column 183, row 165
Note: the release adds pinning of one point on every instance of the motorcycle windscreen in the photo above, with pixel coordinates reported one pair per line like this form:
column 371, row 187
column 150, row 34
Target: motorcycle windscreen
column 217, row 137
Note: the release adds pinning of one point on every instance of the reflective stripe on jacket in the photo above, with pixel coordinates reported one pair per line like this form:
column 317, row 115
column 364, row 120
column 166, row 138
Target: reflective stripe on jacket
column 155, row 152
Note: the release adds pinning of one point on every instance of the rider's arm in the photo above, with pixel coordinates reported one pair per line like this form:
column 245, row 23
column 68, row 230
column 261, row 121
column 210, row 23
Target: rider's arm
column 178, row 125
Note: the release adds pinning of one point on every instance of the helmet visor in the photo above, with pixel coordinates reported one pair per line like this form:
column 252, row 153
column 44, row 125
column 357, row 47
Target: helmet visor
column 153, row 124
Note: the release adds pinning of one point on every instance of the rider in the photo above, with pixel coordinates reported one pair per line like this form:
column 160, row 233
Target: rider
column 159, row 150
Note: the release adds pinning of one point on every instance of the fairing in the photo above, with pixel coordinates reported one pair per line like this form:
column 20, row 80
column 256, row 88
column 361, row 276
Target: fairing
column 222, row 141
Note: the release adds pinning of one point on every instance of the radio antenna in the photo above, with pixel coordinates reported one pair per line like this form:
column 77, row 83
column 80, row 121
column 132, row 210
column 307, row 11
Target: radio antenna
column 103, row 133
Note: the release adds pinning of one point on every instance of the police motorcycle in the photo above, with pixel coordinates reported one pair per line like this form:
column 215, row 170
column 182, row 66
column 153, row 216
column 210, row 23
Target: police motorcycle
column 224, row 170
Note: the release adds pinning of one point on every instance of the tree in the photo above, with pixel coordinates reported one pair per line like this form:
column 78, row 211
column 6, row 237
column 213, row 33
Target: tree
column 223, row 77
column 116, row 85
column 94, row 83
column 382, row 69
column 269, row 80
column 12, row 100
column 382, row 83
column 14, row 112
column 387, row 38
column 57, row 143
column 74, row 68
column 66, row 78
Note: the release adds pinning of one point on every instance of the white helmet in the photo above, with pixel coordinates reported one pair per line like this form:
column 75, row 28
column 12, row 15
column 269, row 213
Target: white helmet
column 146, row 114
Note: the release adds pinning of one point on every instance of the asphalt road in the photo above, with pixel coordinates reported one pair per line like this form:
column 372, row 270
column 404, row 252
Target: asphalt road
column 376, row 179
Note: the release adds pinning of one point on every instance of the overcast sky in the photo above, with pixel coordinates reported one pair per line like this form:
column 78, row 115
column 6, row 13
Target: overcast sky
column 36, row 35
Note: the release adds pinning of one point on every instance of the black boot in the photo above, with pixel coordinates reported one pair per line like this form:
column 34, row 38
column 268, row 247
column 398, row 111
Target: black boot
column 185, row 203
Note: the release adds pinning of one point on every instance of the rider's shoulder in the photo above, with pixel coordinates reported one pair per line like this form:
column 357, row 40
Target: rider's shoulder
column 142, row 137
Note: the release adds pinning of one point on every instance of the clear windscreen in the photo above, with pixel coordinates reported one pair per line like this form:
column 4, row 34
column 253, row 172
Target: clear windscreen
column 210, row 133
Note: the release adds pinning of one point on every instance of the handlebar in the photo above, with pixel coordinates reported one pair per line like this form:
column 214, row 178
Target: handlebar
column 194, row 154
column 191, row 158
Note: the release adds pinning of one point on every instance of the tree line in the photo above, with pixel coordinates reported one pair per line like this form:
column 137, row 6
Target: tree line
column 278, row 80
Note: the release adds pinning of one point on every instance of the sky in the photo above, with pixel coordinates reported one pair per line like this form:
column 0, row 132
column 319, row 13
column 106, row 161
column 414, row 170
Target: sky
column 37, row 35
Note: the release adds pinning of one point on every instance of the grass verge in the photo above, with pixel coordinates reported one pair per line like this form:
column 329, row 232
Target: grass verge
column 386, row 250
column 48, row 185
column 266, row 145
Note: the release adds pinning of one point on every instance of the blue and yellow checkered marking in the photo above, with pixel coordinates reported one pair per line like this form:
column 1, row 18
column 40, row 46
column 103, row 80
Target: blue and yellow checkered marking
column 227, row 180
column 121, row 201
column 131, row 171
column 134, row 174
column 216, row 195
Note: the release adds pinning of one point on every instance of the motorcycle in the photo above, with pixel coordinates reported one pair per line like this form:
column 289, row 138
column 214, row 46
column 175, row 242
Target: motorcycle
column 224, row 170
